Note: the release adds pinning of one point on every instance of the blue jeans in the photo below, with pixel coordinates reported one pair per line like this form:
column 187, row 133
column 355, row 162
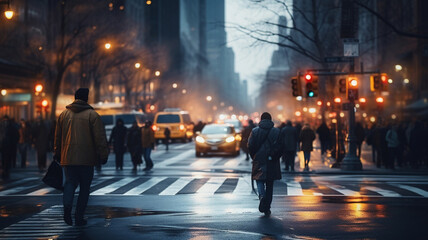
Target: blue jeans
column 307, row 156
column 265, row 190
column 147, row 158
column 75, row 176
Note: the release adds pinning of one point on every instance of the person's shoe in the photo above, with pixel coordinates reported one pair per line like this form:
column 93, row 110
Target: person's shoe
column 67, row 216
column 267, row 213
column 262, row 205
column 81, row 222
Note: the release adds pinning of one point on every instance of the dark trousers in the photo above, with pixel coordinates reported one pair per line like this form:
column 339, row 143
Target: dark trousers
column 390, row 161
column 22, row 148
column 6, row 161
column 359, row 150
column 119, row 160
column 146, row 153
column 41, row 159
column 324, row 146
column 265, row 190
column 289, row 157
column 75, row 176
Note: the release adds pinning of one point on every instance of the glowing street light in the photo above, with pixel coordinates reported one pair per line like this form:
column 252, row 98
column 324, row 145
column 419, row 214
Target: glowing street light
column 137, row 65
column 3, row 92
column 107, row 46
column 38, row 88
column 398, row 68
column 157, row 73
column 8, row 14
column 174, row 85
column 209, row 98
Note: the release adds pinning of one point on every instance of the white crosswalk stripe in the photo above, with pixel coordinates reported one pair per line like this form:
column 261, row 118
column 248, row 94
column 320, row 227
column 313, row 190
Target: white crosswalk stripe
column 110, row 188
column 343, row 190
column 414, row 189
column 144, row 186
column 176, row 186
column 47, row 224
column 211, row 186
column 383, row 192
column 294, row 189
column 176, row 158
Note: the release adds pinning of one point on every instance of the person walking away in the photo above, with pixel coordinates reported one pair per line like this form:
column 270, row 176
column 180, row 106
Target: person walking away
column 307, row 136
column 24, row 141
column 10, row 137
column 80, row 142
column 361, row 135
column 417, row 144
column 393, row 143
column 134, row 145
column 290, row 142
column 41, row 142
column 324, row 136
column 167, row 134
column 117, row 137
column 245, row 135
column 148, row 143
column 265, row 169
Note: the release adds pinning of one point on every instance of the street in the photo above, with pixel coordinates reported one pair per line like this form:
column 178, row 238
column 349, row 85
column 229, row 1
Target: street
column 185, row 197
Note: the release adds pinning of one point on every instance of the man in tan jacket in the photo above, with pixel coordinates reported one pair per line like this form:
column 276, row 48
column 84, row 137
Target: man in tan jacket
column 80, row 143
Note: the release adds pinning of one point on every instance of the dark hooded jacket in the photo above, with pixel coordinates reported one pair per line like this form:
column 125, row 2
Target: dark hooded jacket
column 263, row 169
column 80, row 137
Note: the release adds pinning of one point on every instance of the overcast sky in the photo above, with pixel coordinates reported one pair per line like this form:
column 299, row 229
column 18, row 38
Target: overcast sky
column 251, row 61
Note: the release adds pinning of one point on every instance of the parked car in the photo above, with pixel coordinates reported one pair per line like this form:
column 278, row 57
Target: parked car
column 217, row 138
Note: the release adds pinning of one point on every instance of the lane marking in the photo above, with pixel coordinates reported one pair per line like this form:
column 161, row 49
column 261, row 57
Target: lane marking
column 113, row 187
column 243, row 187
column 294, row 188
column 145, row 186
column 177, row 158
column 413, row 189
column 211, row 186
column 343, row 190
column 175, row 187
column 383, row 192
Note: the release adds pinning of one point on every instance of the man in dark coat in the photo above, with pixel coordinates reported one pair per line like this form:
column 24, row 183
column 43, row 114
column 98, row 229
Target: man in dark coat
column 245, row 135
column 118, row 136
column 265, row 168
column 324, row 136
column 290, row 141
column 134, row 145
column 9, row 141
column 307, row 136
column 41, row 142
column 360, row 133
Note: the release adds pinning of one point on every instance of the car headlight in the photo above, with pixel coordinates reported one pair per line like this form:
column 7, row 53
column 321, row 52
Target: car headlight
column 200, row 139
column 230, row 139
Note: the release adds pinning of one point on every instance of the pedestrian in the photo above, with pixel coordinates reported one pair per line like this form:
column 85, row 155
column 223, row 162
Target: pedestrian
column 80, row 142
column 417, row 144
column 265, row 169
column 324, row 136
column 9, row 138
column 167, row 134
column 360, row 135
column 118, row 137
column 24, row 141
column 41, row 142
column 245, row 135
column 393, row 142
column 134, row 145
column 148, row 144
column 290, row 142
column 307, row 136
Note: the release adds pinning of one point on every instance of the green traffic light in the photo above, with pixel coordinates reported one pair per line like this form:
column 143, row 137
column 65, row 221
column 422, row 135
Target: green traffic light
column 311, row 94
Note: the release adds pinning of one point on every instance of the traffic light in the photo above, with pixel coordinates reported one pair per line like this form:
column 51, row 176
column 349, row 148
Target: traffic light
column 296, row 87
column 311, row 85
column 352, row 85
column 45, row 103
column 342, row 85
column 363, row 103
column 379, row 82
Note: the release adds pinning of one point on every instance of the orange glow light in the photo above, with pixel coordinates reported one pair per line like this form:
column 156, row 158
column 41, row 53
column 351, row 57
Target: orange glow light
column 45, row 103
column 154, row 128
column 337, row 100
column 379, row 100
column 363, row 100
column 39, row 88
column 308, row 77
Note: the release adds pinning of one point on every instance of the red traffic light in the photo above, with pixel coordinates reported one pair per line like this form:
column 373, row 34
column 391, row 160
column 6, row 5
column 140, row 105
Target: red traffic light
column 45, row 103
column 379, row 100
column 319, row 103
column 337, row 100
column 308, row 77
column 384, row 77
column 362, row 100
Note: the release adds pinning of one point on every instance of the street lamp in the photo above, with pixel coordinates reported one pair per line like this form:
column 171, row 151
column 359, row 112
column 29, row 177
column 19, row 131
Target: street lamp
column 3, row 92
column 107, row 46
column 398, row 68
column 174, row 85
column 8, row 13
column 157, row 73
column 209, row 98
column 137, row 65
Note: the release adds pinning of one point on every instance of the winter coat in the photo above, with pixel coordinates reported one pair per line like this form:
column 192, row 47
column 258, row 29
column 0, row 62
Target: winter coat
column 147, row 137
column 307, row 136
column 263, row 169
column 80, row 137
column 134, row 140
column 392, row 138
column 323, row 132
column 360, row 133
column 41, row 137
column 245, row 135
column 290, row 138
column 118, row 136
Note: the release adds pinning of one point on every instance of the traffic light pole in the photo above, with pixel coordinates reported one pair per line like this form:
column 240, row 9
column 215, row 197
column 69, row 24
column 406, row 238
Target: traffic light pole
column 351, row 161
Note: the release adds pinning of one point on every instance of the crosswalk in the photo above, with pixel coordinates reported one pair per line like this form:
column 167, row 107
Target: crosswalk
column 47, row 224
column 217, row 185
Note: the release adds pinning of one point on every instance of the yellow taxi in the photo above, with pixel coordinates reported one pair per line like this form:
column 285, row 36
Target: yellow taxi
column 178, row 122
column 216, row 138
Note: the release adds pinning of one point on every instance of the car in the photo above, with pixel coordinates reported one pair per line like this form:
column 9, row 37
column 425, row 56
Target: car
column 217, row 138
column 236, row 123
column 178, row 122
column 128, row 118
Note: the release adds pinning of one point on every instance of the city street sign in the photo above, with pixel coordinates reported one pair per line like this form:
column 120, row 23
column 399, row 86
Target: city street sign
column 337, row 59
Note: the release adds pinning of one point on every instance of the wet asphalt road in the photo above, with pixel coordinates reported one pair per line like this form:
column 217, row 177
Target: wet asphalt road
column 304, row 206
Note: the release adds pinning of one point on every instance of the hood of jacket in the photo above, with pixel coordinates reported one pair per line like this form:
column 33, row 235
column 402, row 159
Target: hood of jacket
column 79, row 106
column 266, row 124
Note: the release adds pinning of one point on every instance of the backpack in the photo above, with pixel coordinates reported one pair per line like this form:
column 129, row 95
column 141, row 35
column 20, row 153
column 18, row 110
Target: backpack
column 274, row 149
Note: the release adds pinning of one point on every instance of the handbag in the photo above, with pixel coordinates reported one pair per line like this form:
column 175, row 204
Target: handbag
column 54, row 176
